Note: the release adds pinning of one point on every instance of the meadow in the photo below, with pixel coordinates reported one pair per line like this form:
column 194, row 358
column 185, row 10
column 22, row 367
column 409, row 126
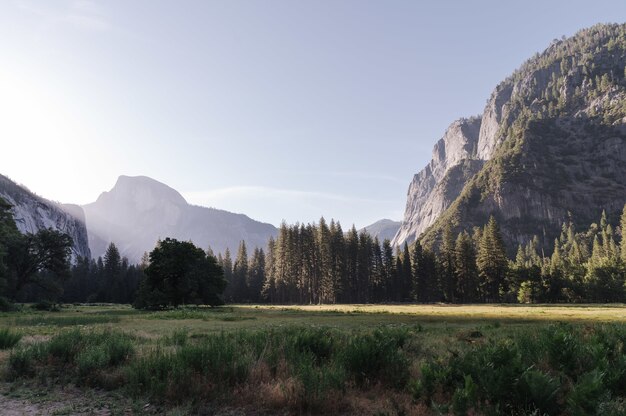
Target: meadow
column 316, row 359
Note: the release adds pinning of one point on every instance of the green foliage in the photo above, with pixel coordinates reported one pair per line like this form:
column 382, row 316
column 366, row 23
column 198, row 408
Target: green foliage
column 377, row 357
column 180, row 273
column 74, row 354
column 9, row 338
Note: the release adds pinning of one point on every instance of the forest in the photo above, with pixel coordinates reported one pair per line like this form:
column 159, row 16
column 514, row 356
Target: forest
column 321, row 264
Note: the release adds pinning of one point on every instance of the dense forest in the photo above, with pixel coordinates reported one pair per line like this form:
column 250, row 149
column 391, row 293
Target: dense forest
column 320, row 263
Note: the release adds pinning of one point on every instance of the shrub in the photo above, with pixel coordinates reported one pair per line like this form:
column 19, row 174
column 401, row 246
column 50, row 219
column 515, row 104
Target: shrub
column 45, row 305
column 539, row 390
column 6, row 305
column 586, row 394
column 377, row 357
column 73, row 353
column 9, row 338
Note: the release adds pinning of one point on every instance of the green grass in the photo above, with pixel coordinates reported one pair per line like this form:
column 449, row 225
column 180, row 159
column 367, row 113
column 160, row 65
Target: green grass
column 360, row 359
column 9, row 338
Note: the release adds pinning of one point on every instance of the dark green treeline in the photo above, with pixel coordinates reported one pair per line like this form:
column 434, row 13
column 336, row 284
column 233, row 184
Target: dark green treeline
column 319, row 263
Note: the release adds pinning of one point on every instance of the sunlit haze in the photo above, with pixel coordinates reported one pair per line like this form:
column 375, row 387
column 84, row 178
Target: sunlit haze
column 276, row 109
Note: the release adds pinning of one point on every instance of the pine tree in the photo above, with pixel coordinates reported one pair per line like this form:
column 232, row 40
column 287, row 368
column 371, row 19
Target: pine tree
column 447, row 261
column 268, row 292
column 325, row 263
column 351, row 275
column 377, row 283
column 227, row 266
column 465, row 268
column 338, row 260
column 418, row 286
column 389, row 270
column 111, row 283
column 492, row 262
column 623, row 231
column 407, row 275
column 256, row 275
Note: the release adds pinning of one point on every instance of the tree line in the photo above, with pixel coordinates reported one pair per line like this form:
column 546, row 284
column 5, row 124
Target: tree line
column 320, row 263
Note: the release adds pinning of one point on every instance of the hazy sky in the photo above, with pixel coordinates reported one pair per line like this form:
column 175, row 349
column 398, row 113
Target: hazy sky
column 276, row 109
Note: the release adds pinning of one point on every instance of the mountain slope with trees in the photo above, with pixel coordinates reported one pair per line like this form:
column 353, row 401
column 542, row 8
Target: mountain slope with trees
column 551, row 149
column 32, row 213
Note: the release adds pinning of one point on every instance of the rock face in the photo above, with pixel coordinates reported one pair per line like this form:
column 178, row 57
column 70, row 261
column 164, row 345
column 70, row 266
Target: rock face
column 550, row 145
column 33, row 213
column 383, row 229
column 139, row 211
column 455, row 159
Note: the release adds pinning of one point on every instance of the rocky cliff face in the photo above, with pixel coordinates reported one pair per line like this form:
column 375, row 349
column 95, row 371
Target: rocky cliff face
column 455, row 157
column 139, row 211
column 551, row 144
column 33, row 213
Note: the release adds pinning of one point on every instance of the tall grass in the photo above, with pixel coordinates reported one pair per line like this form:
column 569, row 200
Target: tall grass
column 556, row 370
column 65, row 320
column 559, row 370
column 8, row 338
column 74, row 354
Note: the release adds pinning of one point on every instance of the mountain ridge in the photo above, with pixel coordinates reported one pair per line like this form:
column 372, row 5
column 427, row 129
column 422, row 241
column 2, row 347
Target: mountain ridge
column 552, row 144
column 139, row 210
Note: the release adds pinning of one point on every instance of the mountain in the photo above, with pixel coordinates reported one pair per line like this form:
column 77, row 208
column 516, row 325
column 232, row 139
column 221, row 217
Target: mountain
column 33, row 213
column 550, row 146
column 383, row 229
column 139, row 211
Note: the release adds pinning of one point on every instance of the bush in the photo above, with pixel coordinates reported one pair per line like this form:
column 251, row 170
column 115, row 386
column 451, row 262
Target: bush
column 377, row 357
column 6, row 305
column 73, row 353
column 46, row 305
column 9, row 338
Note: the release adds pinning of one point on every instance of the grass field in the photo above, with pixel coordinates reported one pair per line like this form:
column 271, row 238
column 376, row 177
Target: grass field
column 350, row 359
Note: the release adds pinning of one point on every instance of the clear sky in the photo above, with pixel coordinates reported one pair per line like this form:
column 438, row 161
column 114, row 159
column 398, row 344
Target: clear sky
column 276, row 109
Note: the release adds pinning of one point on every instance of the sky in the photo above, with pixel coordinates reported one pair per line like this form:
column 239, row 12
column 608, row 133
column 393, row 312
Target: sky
column 281, row 110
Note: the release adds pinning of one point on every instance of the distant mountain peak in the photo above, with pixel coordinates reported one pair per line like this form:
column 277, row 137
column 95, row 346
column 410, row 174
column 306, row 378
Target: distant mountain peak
column 139, row 210
column 383, row 229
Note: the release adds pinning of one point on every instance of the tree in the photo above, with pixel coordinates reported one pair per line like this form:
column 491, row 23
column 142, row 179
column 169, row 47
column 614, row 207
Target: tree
column 268, row 293
column 41, row 259
column 240, row 274
column 256, row 275
column 492, row 261
column 465, row 269
column 111, row 282
column 623, row 230
column 8, row 233
column 447, row 261
column 180, row 273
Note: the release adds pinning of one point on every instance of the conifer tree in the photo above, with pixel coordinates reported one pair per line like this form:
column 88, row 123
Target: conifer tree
column 492, row 262
column 418, row 286
column 389, row 270
column 623, row 231
column 465, row 268
column 268, row 293
column 111, row 283
column 227, row 267
column 256, row 275
column 447, row 262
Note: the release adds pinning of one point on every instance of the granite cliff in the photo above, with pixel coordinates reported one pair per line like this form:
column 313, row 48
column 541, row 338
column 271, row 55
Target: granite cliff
column 33, row 213
column 550, row 146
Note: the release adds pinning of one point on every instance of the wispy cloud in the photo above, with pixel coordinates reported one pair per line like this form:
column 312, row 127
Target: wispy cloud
column 80, row 14
column 350, row 174
column 269, row 192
